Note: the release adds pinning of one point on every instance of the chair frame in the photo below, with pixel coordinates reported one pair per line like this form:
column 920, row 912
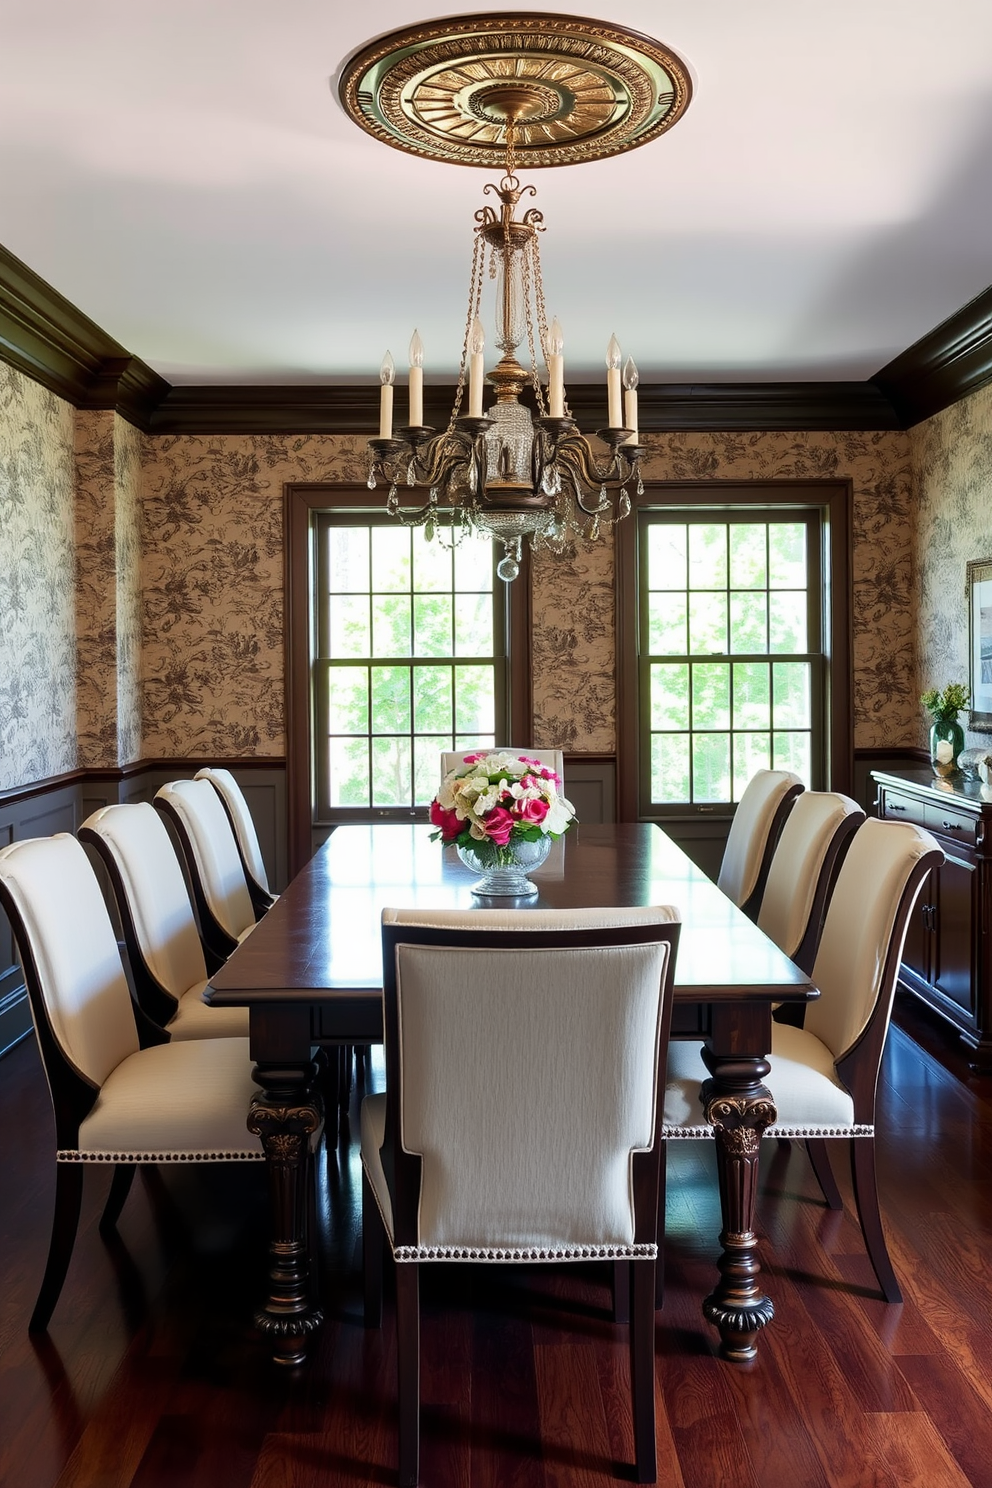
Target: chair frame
column 858, row 1069
column 403, row 1172
column 752, row 904
column 217, row 943
column 73, row 1097
column 261, row 898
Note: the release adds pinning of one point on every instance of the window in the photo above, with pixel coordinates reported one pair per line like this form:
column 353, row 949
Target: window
column 731, row 654
column 410, row 660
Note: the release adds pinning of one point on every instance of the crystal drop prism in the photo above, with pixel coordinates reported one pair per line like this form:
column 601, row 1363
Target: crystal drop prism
column 371, row 480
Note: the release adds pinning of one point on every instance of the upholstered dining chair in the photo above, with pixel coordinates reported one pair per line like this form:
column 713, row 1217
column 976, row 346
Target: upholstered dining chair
column 239, row 814
column 823, row 1076
column 123, row 1093
column 164, row 952
column 223, row 905
column 760, row 815
column 521, row 1120
column 805, row 862
column 553, row 758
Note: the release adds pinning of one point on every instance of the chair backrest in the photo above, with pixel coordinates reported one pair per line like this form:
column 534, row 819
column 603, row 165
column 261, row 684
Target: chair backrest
column 523, row 1053
column 805, row 862
column 553, row 758
column 233, row 799
column 72, row 967
column 220, row 890
column 152, row 898
column 863, row 935
column 753, row 832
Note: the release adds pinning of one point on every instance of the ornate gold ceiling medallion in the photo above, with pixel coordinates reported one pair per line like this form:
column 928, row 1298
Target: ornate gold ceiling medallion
column 574, row 89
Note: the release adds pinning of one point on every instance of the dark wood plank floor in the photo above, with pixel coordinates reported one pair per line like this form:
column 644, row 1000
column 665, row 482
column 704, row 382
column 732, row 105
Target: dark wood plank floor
column 152, row 1377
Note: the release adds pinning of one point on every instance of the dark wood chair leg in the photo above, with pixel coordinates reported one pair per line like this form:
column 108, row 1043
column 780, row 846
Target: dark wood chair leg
column 119, row 1189
column 68, row 1199
column 820, row 1159
column 373, row 1236
column 659, row 1266
column 866, row 1199
column 408, row 1369
column 621, row 1291
column 642, row 1380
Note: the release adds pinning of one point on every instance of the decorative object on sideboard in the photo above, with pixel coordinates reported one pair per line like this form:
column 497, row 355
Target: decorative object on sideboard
column 504, row 90
column 978, row 585
column 946, row 734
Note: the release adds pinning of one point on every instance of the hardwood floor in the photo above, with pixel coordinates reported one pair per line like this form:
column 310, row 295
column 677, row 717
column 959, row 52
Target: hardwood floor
column 151, row 1375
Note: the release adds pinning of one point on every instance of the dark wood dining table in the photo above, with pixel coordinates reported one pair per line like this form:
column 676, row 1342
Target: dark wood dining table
column 311, row 976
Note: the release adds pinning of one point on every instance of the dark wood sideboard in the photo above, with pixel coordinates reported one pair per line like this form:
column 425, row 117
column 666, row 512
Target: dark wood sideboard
column 948, row 956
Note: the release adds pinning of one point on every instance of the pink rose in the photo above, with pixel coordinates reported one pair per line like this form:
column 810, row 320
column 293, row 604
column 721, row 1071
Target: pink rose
column 448, row 821
column 532, row 810
column 499, row 824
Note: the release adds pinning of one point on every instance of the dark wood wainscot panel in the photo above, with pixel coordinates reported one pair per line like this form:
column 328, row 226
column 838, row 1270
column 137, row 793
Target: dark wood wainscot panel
column 948, row 956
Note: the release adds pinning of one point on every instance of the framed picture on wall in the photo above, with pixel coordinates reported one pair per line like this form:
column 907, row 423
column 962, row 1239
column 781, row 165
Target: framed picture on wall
column 979, row 587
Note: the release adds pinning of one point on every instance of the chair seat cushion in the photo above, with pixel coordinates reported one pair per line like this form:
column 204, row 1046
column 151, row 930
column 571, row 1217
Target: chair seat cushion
column 809, row 1097
column 177, row 1102
column 195, row 1019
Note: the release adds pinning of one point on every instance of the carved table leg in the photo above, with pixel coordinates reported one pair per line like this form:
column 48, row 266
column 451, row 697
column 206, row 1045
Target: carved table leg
column 285, row 1118
column 740, row 1107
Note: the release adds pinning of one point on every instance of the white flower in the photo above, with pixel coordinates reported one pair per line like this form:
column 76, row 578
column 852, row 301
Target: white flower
column 560, row 813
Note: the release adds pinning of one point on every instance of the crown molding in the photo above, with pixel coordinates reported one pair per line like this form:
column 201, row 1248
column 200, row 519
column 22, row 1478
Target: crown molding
column 944, row 366
column 43, row 335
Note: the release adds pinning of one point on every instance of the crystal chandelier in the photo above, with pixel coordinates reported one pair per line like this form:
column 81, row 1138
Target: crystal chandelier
column 504, row 472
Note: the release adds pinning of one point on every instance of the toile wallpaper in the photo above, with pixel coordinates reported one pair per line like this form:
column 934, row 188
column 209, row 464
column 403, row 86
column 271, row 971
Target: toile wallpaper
column 37, row 583
column 952, row 463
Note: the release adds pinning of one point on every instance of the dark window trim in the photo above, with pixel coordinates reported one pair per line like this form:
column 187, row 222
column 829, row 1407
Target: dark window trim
column 834, row 499
column 302, row 501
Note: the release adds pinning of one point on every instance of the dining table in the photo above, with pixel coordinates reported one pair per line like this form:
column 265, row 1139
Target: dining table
column 310, row 974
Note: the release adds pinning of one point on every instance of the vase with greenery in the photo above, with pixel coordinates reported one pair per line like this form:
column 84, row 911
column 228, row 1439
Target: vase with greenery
column 946, row 734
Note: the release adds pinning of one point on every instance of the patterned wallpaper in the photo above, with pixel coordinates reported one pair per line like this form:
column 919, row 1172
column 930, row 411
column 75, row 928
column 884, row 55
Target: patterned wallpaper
column 37, row 583
column 952, row 465
column 574, row 694
column 212, row 586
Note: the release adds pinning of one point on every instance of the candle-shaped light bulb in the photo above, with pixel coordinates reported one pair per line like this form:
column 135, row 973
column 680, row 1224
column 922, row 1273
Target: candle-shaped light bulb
column 630, row 380
column 476, row 368
column 556, row 371
column 387, row 373
column 614, row 357
column 416, row 381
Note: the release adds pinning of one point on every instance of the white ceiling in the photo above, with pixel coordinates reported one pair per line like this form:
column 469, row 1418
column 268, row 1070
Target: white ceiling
column 185, row 175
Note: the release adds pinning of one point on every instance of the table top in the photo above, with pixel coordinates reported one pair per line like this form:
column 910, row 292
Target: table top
column 322, row 936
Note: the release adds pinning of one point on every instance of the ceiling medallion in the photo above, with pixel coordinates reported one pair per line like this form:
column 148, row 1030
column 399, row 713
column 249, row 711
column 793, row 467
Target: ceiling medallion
column 576, row 89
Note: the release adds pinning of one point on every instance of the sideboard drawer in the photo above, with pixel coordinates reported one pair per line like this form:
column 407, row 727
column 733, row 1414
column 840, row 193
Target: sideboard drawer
column 950, row 822
column 897, row 807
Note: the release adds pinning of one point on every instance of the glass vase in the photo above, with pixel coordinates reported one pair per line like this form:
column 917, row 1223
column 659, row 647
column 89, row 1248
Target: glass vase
column 949, row 733
column 504, row 870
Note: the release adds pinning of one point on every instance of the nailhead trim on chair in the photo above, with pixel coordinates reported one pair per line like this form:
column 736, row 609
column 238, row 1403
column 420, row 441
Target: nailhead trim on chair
column 248, row 1155
column 701, row 1133
column 525, row 1253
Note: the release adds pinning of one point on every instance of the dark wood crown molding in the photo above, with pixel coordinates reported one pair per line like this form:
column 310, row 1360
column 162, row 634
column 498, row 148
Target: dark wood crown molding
column 951, row 361
column 46, row 337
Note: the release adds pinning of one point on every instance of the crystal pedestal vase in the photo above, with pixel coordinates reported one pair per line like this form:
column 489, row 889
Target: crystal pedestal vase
column 504, row 870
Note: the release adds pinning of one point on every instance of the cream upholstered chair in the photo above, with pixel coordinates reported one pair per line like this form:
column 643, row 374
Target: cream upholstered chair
column 220, row 890
column 522, row 1115
column 238, row 812
column 123, row 1094
column 168, row 970
column 807, row 857
column 761, row 812
column 553, row 758
column 823, row 1076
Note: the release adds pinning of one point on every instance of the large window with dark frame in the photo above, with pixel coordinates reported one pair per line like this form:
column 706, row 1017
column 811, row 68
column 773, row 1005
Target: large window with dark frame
column 410, row 659
column 731, row 651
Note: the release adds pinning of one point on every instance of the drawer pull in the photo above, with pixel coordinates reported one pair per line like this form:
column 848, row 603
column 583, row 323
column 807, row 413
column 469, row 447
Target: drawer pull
column 894, row 806
column 951, row 826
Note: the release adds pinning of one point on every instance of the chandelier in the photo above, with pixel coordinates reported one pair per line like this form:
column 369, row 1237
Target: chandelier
column 492, row 90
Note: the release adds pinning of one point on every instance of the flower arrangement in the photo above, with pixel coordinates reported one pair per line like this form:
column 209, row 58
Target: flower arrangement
column 945, row 706
column 490, row 801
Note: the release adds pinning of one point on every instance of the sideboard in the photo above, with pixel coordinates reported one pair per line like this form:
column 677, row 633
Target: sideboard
column 947, row 960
